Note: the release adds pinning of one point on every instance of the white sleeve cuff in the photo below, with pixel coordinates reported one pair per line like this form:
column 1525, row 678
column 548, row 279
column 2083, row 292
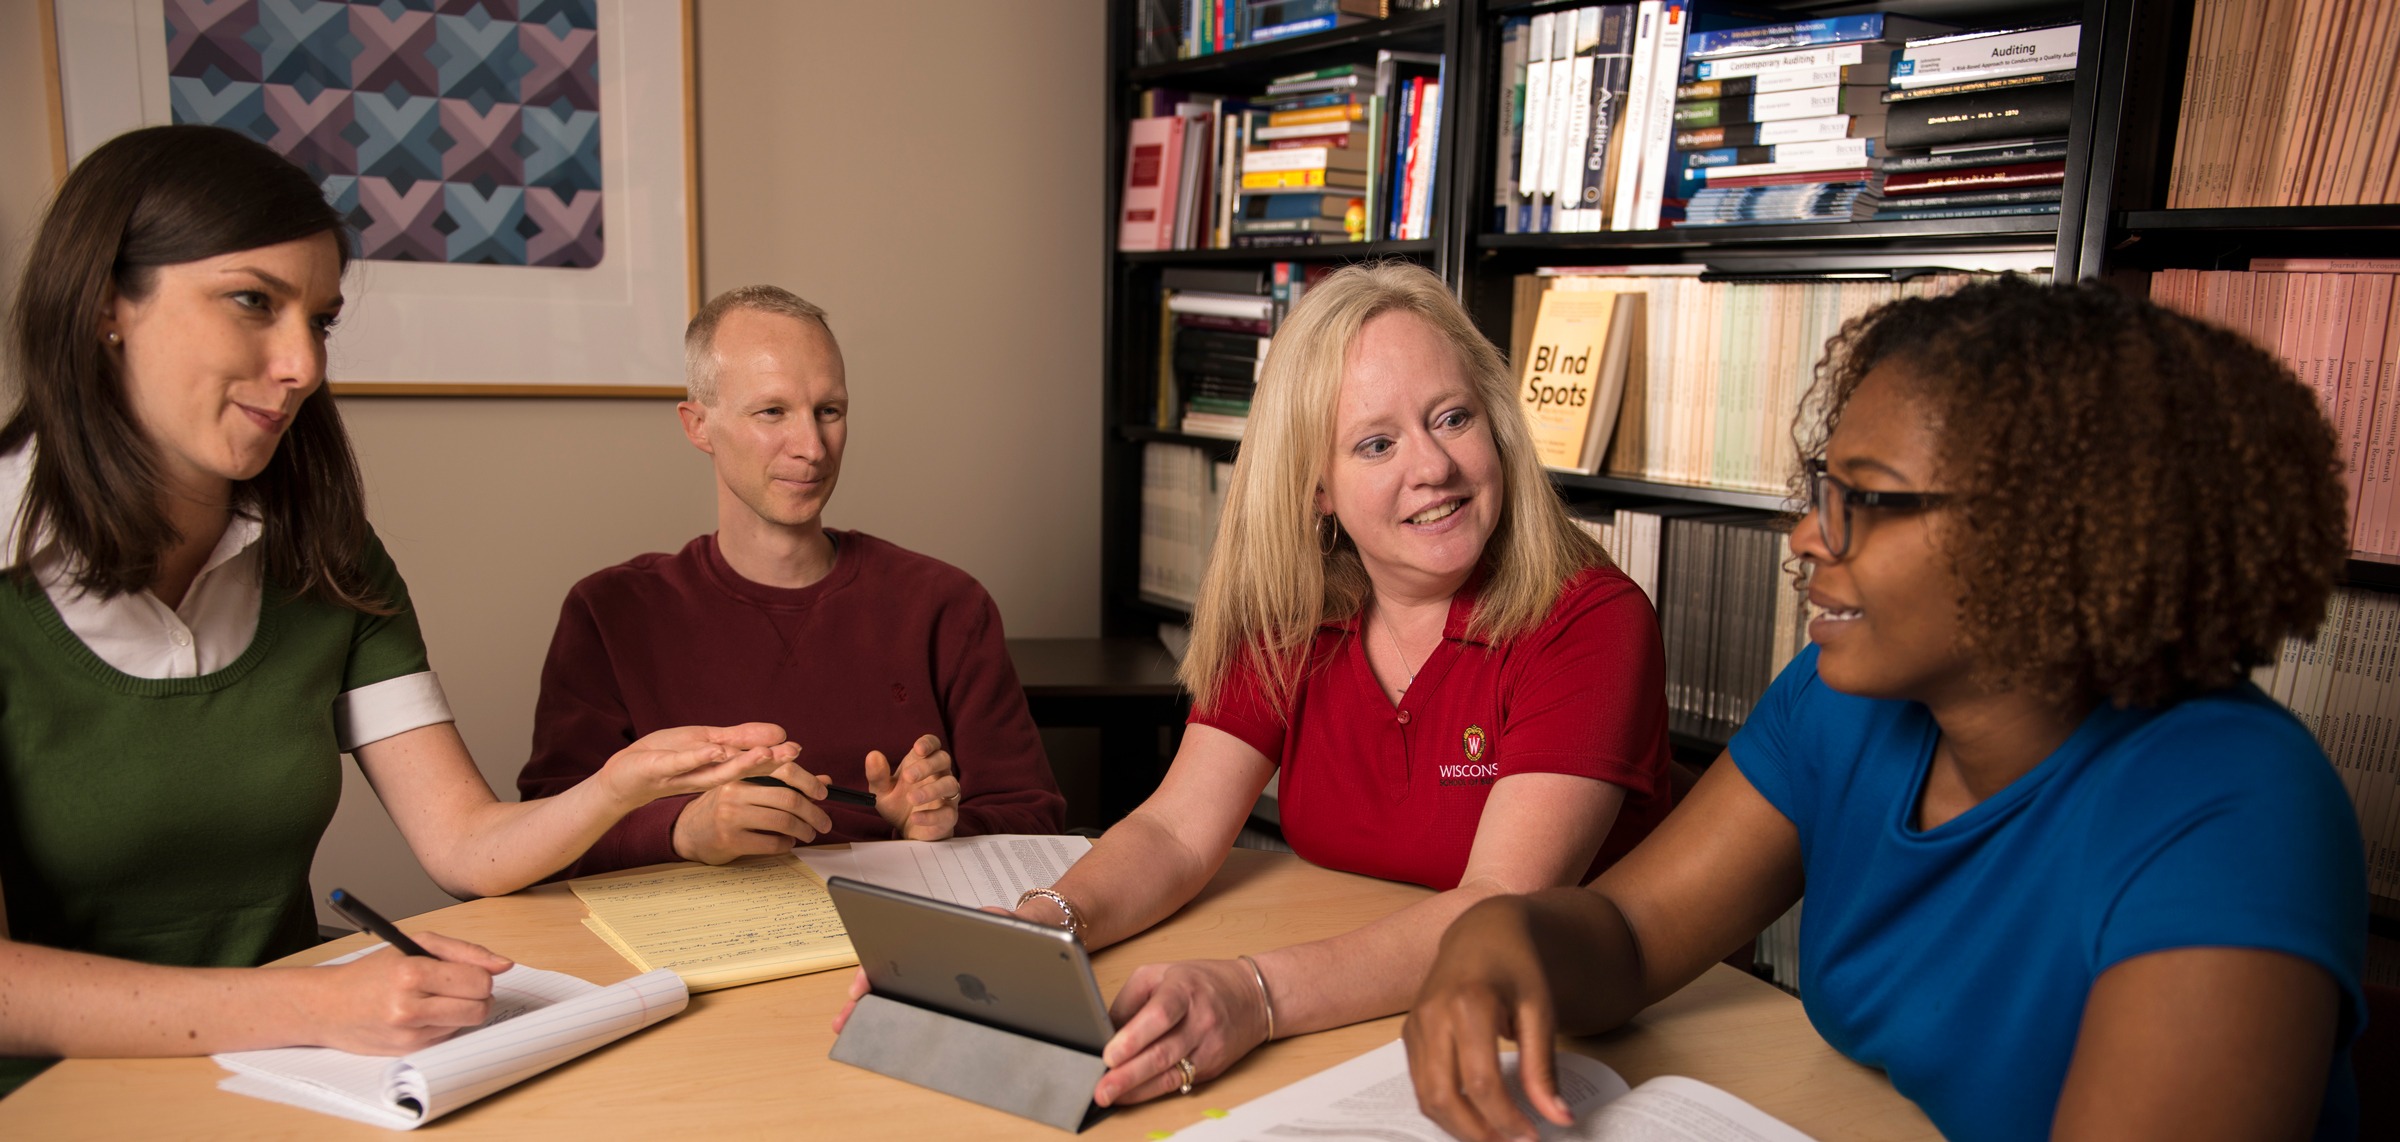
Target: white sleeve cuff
column 376, row 711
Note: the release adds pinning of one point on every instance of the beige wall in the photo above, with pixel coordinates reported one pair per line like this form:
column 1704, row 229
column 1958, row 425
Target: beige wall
column 25, row 136
column 936, row 184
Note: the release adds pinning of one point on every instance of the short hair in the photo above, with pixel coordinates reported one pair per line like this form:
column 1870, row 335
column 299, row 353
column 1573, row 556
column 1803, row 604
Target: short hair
column 150, row 198
column 1268, row 584
column 700, row 337
column 2145, row 504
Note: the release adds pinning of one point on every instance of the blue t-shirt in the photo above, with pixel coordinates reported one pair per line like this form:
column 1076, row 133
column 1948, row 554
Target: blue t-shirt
column 1959, row 958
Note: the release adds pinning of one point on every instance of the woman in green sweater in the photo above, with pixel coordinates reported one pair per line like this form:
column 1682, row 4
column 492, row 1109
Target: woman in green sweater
column 196, row 621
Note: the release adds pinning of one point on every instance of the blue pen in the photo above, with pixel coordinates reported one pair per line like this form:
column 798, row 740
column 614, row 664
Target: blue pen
column 358, row 913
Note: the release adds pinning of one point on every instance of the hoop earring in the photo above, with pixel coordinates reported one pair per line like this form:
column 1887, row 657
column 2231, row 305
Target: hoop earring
column 1329, row 534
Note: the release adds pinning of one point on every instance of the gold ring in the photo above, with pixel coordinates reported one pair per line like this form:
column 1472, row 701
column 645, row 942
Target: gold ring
column 1188, row 1071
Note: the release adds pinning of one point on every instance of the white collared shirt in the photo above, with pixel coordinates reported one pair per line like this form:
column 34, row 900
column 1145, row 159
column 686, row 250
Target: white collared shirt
column 142, row 636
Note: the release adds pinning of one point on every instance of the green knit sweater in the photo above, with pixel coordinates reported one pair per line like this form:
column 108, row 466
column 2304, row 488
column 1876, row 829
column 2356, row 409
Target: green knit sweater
column 172, row 821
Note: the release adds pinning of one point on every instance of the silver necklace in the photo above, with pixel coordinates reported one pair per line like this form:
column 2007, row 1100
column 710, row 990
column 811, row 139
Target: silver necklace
column 1401, row 649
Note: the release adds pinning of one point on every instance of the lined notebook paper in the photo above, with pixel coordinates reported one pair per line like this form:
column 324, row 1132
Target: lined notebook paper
column 763, row 918
column 539, row 1020
column 759, row 918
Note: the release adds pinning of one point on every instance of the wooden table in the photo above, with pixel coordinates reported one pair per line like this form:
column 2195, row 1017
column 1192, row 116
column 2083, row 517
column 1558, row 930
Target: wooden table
column 751, row 1061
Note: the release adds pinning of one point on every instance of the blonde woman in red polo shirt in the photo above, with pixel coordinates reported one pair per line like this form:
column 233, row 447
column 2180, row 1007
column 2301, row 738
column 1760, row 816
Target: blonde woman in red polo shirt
column 1456, row 686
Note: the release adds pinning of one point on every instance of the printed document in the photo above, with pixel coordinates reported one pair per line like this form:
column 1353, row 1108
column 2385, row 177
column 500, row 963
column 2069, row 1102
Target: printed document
column 1370, row 1099
column 973, row 871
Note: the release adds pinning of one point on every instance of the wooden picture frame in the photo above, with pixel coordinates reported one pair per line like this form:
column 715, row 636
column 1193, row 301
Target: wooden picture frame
column 613, row 328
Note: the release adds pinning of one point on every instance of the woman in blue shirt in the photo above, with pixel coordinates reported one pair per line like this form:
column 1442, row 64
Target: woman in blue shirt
column 2068, row 872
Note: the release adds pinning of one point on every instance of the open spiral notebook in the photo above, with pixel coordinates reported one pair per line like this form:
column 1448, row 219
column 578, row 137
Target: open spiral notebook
column 539, row 1019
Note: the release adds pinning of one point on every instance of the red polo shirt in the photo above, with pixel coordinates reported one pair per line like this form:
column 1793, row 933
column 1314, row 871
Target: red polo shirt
column 1397, row 791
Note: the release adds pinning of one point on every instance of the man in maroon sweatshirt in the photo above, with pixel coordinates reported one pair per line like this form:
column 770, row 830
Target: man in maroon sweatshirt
column 862, row 651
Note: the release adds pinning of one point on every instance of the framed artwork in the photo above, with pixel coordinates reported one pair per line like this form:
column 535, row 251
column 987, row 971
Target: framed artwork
column 516, row 176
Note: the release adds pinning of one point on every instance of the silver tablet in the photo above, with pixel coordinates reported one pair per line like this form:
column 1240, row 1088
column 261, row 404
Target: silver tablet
column 1013, row 974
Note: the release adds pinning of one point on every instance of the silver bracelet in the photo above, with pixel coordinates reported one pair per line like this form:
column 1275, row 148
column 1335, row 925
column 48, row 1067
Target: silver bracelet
column 1075, row 922
column 1264, row 1000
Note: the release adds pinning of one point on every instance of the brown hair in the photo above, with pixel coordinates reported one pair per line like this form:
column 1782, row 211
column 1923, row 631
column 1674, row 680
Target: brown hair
column 2145, row 504
column 1269, row 583
column 162, row 196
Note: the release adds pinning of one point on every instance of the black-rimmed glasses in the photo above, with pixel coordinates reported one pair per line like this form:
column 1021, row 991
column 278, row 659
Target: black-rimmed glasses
column 1832, row 501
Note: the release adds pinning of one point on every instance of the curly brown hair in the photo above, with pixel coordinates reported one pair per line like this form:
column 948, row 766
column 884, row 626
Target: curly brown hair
column 2146, row 504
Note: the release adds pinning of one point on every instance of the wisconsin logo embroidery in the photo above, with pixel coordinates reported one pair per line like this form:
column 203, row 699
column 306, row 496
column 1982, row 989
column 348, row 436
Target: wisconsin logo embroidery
column 1476, row 771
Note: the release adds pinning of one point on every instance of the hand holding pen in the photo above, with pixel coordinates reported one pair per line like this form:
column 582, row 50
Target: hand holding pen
column 420, row 991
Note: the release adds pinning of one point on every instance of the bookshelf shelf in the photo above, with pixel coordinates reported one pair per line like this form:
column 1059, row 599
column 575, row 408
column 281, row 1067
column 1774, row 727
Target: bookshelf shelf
column 1329, row 252
column 2263, row 218
column 1216, row 446
column 1682, row 493
column 1162, row 610
column 2377, row 572
column 1254, row 66
column 2037, row 227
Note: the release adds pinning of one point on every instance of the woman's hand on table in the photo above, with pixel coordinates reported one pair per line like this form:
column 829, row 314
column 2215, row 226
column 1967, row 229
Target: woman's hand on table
column 391, row 1004
column 1208, row 1011
column 1486, row 985
column 919, row 797
column 692, row 759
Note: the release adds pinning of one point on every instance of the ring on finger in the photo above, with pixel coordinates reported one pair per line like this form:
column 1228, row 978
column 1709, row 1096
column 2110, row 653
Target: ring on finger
column 1185, row 1071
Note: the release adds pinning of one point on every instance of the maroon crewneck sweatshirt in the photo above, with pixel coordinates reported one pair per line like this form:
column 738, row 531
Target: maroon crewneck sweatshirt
column 890, row 645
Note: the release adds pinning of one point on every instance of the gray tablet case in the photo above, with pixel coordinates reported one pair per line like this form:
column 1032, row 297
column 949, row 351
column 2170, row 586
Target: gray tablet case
column 990, row 1008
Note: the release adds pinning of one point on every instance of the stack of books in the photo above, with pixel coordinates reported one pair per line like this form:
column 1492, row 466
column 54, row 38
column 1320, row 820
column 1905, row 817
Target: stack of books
column 1304, row 164
column 1219, row 324
column 1977, row 123
column 1307, row 150
column 1785, row 122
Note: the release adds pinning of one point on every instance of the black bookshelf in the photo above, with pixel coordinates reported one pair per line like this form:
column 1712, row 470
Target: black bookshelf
column 1923, row 231
column 1415, row 249
column 1629, row 488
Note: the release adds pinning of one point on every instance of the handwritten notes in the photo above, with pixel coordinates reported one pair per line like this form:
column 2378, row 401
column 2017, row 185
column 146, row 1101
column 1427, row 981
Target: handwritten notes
column 756, row 919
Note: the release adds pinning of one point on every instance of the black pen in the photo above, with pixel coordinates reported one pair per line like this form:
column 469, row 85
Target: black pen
column 358, row 913
column 832, row 792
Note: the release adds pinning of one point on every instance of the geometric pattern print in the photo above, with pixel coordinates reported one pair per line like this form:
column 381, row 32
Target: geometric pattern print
column 443, row 130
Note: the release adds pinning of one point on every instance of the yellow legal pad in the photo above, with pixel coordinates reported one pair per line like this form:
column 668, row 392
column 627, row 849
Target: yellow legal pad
column 756, row 919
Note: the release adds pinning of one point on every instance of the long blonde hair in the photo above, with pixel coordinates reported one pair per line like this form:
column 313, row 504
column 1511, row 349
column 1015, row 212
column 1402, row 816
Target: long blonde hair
column 1269, row 583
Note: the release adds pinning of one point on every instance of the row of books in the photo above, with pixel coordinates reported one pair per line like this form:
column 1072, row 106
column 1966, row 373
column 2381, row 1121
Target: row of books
column 1865, row 124
column 1709, row 396
column 1728, row 615
column 2336, row 323
column 1336, row 154
column 2344, row 685
column 1633, row 116
column 2288, row 103
column 1167, row 30
column 1183, row 495
column 1216, row 324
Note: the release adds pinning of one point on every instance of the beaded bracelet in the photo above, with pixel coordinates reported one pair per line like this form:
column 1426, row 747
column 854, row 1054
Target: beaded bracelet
column 1264, row 1000
column 1066, row 907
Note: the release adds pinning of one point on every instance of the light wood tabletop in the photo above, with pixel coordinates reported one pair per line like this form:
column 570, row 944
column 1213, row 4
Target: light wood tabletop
column 751, row 1061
